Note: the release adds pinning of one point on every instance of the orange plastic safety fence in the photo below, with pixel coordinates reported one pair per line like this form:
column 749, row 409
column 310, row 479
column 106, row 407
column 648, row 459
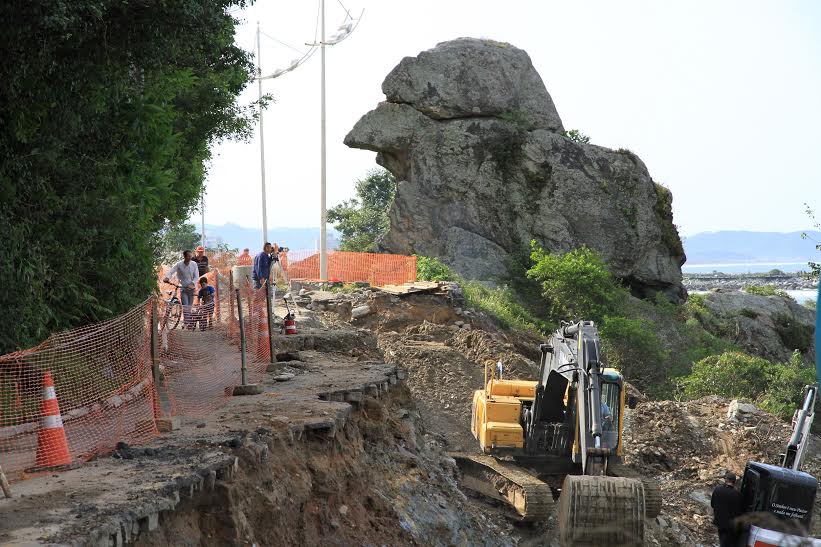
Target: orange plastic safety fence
column 77, row 395
column 347, row 267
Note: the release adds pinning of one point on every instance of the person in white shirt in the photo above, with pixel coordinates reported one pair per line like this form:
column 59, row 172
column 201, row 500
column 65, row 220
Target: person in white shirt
column 187, row 273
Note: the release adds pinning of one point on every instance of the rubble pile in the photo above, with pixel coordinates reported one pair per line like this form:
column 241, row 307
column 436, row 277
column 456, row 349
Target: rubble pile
column 688, row 446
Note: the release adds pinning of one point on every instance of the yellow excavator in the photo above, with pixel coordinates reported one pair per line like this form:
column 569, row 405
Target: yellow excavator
column 561, row 435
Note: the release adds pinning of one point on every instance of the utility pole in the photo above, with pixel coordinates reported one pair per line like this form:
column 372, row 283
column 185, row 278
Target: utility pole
column 261, row 141
column 323, row 240
column 202, row 212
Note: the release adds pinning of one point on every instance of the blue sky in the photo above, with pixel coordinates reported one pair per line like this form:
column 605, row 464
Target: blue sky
column 722, row 100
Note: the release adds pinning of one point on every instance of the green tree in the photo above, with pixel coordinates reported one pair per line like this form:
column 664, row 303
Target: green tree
column 109, row 110
column 635, row 350
column 576, row 285
column 362, row 220
column 175, row 238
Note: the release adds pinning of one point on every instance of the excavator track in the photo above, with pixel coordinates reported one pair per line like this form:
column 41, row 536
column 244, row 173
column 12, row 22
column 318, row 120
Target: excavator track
column 531, row 498
column 652, row 489
column 597, row 510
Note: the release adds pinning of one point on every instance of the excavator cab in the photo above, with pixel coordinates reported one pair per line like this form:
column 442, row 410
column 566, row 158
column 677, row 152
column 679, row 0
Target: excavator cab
column 786, row 493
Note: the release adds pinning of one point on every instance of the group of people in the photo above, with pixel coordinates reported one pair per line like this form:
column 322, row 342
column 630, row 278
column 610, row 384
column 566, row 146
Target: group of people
column 194, row 288
column 191, row 274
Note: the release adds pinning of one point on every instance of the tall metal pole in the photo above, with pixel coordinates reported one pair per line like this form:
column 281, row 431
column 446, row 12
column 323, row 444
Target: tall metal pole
column 261, row 141
column 202, row 211
column 323, row 251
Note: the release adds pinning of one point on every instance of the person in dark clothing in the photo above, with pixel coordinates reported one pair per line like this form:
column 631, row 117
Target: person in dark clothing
column 262, row 266
column 726, row 504
column 201, row 260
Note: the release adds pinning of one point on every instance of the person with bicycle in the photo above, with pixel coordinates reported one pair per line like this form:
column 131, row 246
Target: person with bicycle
column 187, row 273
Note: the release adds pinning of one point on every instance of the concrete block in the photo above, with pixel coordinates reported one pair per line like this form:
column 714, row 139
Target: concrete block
column 168, row 424
column 248, row 389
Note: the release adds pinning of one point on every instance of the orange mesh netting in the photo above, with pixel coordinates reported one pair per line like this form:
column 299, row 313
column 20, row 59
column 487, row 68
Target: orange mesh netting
column 200, row 360
column 77, row 394
column 373, row 268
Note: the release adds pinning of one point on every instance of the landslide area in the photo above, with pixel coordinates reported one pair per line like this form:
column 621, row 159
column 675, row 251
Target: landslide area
column 686, row 446
column 379, row 480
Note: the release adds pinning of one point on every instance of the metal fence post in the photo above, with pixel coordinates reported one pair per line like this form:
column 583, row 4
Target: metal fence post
column 217, row 295
column 242, row 338
column 155, row 360
column 231, row 295
column 270, row 310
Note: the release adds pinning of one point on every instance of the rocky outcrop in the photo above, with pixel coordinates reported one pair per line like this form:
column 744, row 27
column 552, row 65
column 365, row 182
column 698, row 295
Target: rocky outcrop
column 472, row 135
column 769, row 326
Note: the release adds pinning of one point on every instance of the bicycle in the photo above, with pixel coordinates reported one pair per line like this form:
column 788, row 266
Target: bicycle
column 173, row 309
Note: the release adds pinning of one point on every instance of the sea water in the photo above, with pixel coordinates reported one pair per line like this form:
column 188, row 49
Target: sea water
column 749, row 267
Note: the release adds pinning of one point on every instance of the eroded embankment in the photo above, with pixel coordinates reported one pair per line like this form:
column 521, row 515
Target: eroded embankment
column 335, row 455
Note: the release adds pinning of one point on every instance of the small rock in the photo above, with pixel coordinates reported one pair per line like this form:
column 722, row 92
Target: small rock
column 668, row 431
column 334, row 523
column 361, row 311
column 284, row 377
column 343, row 510
column 466, row 326
column 738, row 410
column 459, row 323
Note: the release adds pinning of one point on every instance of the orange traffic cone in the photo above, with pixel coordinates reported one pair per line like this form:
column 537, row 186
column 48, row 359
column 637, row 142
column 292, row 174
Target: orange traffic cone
column 52, row 446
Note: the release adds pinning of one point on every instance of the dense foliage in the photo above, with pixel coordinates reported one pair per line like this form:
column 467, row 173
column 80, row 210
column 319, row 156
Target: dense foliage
column 363, row 219
column 430, row 268
column 775, row 387
column 108, row 110
column 175, row 238
column 576, row 285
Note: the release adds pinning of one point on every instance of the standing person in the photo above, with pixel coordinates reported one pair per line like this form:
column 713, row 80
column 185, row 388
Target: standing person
column 245, row 259
column 187, row 274
column 262, row 266
column 201, row 260
column 726, row 504
column 206, row 303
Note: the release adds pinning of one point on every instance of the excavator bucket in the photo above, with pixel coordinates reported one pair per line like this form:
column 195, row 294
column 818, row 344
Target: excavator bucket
column 595, row 511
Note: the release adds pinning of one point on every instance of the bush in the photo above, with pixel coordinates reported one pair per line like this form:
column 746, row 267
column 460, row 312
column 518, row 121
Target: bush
column 577, row 136
column 766, row 290
column 794, row 335
column 577, row 285
column 504, row 305
column 774, row 387
column 631, row 346
column 429, row 268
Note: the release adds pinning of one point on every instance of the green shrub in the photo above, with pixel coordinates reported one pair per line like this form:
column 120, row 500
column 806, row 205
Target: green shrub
column 766, row 290
column 504, row 305
column 577, row 136
column 775, row 387
column 811, row 304
column 577, row 285
column 632, row 347
column 430, row 268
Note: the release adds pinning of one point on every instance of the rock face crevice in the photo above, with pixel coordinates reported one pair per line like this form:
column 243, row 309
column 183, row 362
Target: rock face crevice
column 475, row 141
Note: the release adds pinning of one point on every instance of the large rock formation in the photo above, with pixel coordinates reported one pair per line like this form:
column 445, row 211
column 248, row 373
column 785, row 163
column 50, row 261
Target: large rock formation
column 484, row 167
column 769, row 326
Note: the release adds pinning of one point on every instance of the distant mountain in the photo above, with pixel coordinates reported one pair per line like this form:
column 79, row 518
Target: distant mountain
column 732, row 247
column 240, row 237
